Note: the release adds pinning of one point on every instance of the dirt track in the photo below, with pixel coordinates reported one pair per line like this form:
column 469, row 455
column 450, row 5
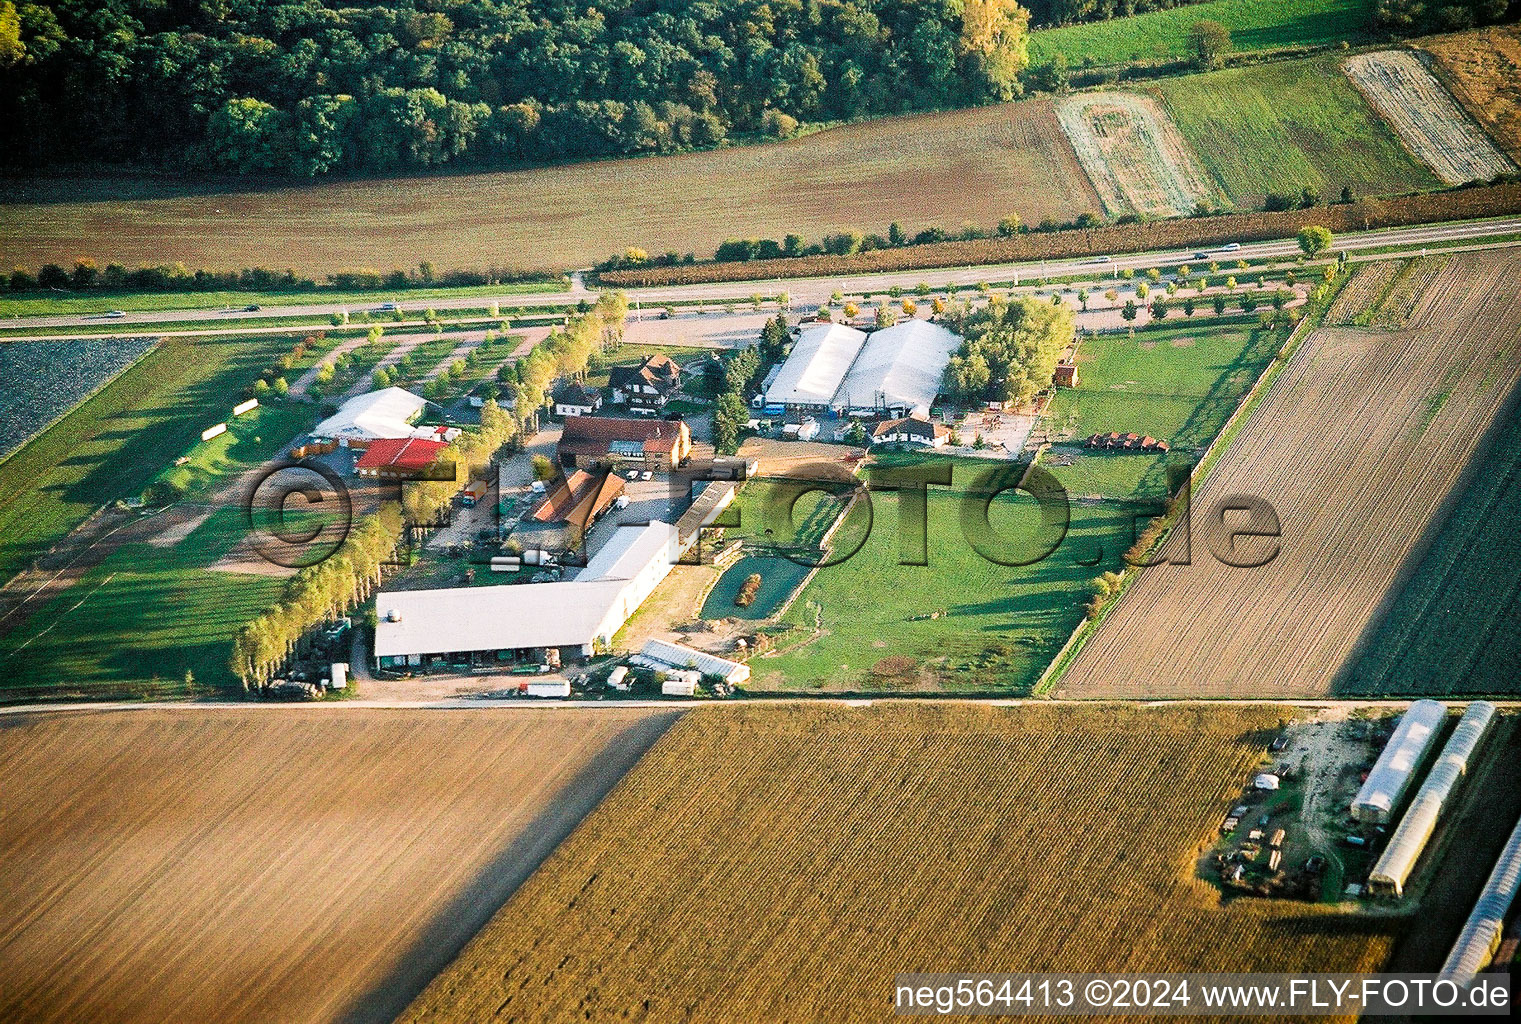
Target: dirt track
column 256, row 864
column 1355, row 446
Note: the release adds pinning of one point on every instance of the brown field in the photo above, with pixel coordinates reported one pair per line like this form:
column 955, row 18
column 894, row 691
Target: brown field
column 1483, row 70
column 968, row 165
column 252, row 864
column 1460, row 204
column 1362, row 292
column 1356, row 445
column 787, row 861
column 1134, row 155
column 1422, row 113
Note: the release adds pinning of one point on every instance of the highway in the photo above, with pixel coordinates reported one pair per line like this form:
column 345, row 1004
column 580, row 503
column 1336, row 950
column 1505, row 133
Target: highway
column 808, row 291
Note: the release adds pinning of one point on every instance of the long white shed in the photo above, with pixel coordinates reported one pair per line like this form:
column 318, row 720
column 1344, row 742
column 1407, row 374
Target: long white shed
column 1480, row 936
column 1391, row 774
column 1399, row 858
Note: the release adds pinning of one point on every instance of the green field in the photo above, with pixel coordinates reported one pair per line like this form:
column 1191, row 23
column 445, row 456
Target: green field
column 136, row 623
column 113, row 445
column 1455, row 627
column 85, row 305
column 1283, row 127
column 1178, row 382
column 1163, row 35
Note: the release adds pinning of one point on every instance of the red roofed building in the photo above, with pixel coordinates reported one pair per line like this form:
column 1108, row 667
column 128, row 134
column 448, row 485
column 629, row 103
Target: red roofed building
column 398, row 457
column 590, row 441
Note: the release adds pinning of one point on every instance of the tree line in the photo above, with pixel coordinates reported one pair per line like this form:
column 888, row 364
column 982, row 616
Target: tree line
column 313, row 87
column 87, row 275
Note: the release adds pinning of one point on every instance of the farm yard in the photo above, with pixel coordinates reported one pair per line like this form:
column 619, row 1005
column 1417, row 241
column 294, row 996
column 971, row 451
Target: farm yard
column 1425, row 117
column 1483, row 69
column 293, row 865
column 1287, row 126
column 33, row 394
column 974, row 165
column 1359, row 421
column 820, row 846
column 1133, row 155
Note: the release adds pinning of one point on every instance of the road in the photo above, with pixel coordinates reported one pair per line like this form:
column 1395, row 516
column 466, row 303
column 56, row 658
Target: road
column 813, row 290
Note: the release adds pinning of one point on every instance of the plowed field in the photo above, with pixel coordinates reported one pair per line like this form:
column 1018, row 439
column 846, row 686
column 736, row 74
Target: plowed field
column 1133, row 154
column 1355, row 446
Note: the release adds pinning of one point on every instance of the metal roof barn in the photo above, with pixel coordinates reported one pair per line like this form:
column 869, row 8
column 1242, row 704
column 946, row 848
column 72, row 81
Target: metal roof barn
column 661, row 653
column 1399, row 858
column 565, row 614
column 899, row 369
column 1481, row 934
column 817, row 364
column 1395, row 767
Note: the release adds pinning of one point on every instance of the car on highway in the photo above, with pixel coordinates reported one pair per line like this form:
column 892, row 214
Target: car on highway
column 1102, row 259
column 387, row 307
column 113, row 314
column 252, row 307
column 1230, row 247
column 1201, row 255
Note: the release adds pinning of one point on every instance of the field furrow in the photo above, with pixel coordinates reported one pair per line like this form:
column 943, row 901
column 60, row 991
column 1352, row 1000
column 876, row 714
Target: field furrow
column 1355, row 447
column 1134, row 155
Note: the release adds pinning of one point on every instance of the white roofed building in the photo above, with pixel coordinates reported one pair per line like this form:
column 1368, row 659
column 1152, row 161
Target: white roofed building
column 1396, row 765
column 818, row 363
column 662, row 654
column 386, row 414
column 898, row 371
column 478, row 625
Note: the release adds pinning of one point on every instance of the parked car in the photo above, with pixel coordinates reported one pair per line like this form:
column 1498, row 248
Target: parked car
column 646, row 475
column 632, row 474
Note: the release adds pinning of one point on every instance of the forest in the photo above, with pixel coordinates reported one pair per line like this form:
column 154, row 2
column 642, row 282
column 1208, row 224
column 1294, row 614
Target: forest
column 315, row 87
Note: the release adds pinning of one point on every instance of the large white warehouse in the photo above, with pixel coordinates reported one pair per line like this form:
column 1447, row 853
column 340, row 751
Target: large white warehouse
column 1481, row 934
column 479, row 625
column 373, row 416
column 1391, row 774
column 813, row 371
column 898, row 371
column 1399, row 858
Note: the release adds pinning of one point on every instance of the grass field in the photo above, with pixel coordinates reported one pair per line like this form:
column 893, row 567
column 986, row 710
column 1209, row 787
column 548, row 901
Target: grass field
column 962, row 621
column 970, row 165
column 293, row 865
column 111, row 446
column 1163, row 35
column 1283, row 127
column 1356, row 445
column 807, row 854
column 1177, row 382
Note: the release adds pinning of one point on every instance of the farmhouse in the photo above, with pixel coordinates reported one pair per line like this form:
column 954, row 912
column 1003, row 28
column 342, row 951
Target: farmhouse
column 472, row 626
column 388, row 413
column 398, row 457
column 646, row 387
column 579, row 500
column 576, row 399
column 588, row 442
column 813, row 371
column 898, row 371
column 911, row 430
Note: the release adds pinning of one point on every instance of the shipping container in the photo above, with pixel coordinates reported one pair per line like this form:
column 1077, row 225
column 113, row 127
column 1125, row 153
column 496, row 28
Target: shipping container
column 549, row 688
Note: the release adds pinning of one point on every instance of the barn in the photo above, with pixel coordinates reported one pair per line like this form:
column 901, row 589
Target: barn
column 373, row 416
column 1396, row 765
column 898, row 371
column 813, row 371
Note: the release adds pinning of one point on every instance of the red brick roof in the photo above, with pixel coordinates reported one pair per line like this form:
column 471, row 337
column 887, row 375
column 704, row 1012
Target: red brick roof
column 401, row 453
column 591, row 435
column 580, row 499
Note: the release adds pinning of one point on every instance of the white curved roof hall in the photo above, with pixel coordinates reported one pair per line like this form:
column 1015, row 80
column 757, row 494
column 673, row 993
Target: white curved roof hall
column 817, row 364
column 900, row 367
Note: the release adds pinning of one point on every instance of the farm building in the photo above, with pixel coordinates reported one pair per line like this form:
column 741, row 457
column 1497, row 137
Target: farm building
column 1396, row 765
column 1065, row 375
column 590, row 441
column 663, row 655
column 711, row 498
column 388, row 413
column 398, row 457
column 576, row 399
column 1126, row 442
column 1480, row 936
column 646, row 387
column 911, row 430
column 813, row 371
column 797, row 427
column 1399, row 857
column 579, row 500
column 485, row 625
column 898, row 371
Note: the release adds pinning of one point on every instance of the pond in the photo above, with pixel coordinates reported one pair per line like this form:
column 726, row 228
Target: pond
column 778, row 579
